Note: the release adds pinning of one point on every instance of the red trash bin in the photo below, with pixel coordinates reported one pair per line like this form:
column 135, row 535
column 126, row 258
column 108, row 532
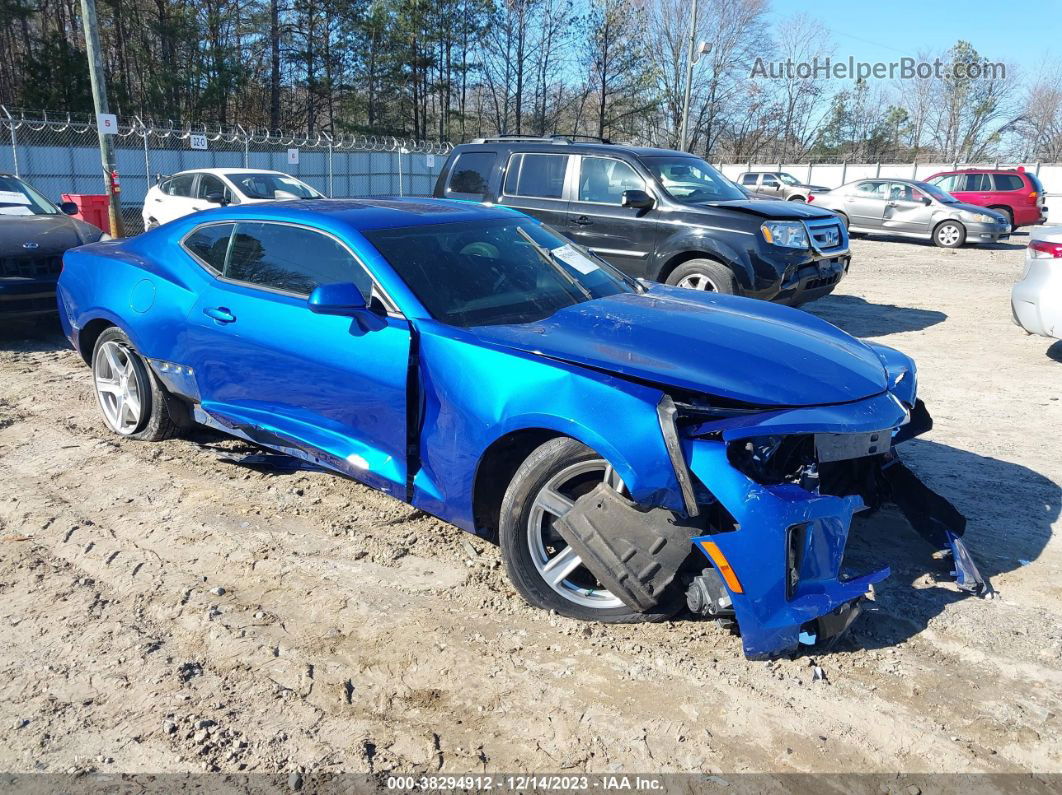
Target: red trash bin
column 91, row 208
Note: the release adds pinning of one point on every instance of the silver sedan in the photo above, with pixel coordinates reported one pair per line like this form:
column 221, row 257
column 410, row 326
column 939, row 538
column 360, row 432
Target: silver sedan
column 1037, row 298
column 910, row 208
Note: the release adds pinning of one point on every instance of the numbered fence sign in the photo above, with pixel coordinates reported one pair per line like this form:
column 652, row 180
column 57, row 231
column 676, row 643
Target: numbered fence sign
column 293, row 157
column 107, row 122
column 197, row 141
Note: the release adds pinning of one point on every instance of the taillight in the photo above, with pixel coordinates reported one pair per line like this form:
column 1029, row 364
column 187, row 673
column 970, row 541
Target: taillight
column 1041, row 249
column 1033, row 195
column 810, row 198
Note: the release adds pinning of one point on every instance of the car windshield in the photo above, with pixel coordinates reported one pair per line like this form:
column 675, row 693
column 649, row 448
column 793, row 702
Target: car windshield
column 691, row 180
column 788, row 179
column 272, row 186
column 18, row 198
column 941, row 196
column 481, row 273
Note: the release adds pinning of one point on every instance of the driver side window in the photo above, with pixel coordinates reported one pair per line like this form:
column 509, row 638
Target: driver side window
column 291, row 259
column 208, row 184
column 602, row 180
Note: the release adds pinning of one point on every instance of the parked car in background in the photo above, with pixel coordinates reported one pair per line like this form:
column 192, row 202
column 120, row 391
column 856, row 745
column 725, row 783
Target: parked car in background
column 1036, row 299
column 777, row 185
column 34, row 235
column 913, row 209
column 656, row 214
column 631, row 446
column 1016, row 193
column 201, row 189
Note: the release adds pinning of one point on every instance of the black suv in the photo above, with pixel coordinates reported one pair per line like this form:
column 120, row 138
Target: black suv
column 657, row 214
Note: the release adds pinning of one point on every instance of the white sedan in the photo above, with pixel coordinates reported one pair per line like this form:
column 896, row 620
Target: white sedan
column 1037, row 298
column 190, row 191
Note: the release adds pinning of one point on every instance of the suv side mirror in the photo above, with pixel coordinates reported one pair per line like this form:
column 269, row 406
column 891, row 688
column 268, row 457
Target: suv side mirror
column 638, row 199
column 343, row 298
column 70, row 208
column 216, row 197
column 926, row 201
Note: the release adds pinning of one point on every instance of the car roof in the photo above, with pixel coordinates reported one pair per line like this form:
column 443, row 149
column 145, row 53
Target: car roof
column 570, row 147
column 366, row 214
column 983, row 171
column 224, row 171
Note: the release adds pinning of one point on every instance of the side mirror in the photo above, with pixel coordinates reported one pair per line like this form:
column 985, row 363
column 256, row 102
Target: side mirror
column 216, row 197
column 344, row 299
column 926, row 201
column 69, row 208
column 638, row 199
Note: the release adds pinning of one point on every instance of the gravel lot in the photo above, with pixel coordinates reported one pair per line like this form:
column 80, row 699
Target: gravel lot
column 164, row 611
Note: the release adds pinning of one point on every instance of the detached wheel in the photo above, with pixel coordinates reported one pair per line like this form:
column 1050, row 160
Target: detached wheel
column 703, row 274
column 541, row 566
column 130, row 398
column 950, row 234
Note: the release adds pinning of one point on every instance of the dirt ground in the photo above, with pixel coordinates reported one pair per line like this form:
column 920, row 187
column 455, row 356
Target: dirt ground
column 161, row 611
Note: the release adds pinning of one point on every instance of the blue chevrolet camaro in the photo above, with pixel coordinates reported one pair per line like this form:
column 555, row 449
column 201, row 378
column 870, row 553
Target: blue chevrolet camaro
column 631, row 446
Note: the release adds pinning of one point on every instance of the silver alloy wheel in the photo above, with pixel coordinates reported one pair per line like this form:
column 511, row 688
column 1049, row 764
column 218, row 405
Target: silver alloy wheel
column 560, row 568
column 948, row 234
column 698, row 281
column 118, row 388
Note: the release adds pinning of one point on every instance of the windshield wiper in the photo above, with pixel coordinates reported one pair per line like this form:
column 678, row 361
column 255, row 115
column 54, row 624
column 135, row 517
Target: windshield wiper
column 554, row 262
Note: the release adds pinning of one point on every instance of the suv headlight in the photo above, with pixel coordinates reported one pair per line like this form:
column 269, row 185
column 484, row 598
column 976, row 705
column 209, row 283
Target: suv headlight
column 788, row 234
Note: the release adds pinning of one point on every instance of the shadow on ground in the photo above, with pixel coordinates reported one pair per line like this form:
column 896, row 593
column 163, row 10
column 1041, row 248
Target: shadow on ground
column 1010, row 511
column 862, row 318
column 32, row 334
column 1003, row 245
column 1055, row 351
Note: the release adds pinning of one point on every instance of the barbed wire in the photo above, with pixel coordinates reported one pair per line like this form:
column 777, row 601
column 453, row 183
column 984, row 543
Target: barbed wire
column 234, row 134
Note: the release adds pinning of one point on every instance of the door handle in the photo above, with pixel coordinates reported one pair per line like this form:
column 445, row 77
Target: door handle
column 220, row 313
column 582, row 220
column 197, row 209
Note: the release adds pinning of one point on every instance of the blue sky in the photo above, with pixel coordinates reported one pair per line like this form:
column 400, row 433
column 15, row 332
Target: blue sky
column 1024, row 32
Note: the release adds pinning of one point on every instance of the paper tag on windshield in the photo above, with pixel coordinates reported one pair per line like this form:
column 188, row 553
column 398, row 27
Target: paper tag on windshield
column 13, row 197
column 18, row 210
column 570, row 256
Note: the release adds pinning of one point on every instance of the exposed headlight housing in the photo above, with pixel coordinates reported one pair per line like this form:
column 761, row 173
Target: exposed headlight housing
column 982, row 218
column 787, row 234
column 104, row 238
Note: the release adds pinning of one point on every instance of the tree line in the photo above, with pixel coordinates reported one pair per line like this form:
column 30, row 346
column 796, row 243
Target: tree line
column 458, row 69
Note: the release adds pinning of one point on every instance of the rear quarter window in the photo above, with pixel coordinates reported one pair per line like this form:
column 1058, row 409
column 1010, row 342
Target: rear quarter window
column 210, row 244
column 470, row 175
column 1008, row 182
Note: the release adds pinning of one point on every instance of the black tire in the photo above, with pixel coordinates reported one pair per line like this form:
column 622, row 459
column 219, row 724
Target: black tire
column 545, row 463
column 1005, row 211
column 798, row 198
column 154, row 423
column 718, row 277
column 943, row 238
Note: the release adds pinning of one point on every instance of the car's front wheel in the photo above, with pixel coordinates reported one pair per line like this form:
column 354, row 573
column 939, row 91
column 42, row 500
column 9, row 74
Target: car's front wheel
column 950, row 234
column 130, row 398
column 703, row 274
column 542, row 567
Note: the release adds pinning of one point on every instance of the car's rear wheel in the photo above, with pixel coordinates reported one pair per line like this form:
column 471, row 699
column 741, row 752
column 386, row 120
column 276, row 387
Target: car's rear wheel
column 542, row 567
column 950, row 234
column 705, row 275
column 130, row 398
column 797, row 198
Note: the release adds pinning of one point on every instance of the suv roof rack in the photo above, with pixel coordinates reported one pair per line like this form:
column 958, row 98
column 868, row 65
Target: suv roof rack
column 555, row 138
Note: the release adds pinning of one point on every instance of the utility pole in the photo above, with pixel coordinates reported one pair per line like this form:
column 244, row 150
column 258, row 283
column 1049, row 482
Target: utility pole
column 99, row 99
column 684, row 135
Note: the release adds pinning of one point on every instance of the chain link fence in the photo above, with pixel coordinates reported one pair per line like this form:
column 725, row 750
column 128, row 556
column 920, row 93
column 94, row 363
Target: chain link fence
column 59, row 153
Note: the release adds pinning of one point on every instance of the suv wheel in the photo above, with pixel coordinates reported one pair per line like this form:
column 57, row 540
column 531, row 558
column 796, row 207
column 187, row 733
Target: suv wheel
column 1006, row 211
column 703, row 274
column 950, row 234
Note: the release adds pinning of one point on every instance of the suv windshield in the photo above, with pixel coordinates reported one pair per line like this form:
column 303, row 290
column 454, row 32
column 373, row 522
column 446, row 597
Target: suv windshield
column 267, row 186
column 689, row 179
column 18, row 198
column 481, row 273
column 788, row 179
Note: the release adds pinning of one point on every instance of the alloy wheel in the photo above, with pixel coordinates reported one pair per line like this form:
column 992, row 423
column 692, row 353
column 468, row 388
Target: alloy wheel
column 118, row 388
column 557, row 563
column 698, row 281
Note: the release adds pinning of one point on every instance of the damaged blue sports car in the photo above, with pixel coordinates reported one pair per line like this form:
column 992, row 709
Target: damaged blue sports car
column 632, row 447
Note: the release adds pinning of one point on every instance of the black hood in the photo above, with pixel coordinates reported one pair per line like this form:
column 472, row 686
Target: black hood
column 43, row 235
column 776, row 209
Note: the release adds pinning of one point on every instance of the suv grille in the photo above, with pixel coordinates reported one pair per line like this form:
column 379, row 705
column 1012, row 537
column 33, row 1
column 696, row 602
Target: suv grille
column 828, row 235
column 31, row 267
